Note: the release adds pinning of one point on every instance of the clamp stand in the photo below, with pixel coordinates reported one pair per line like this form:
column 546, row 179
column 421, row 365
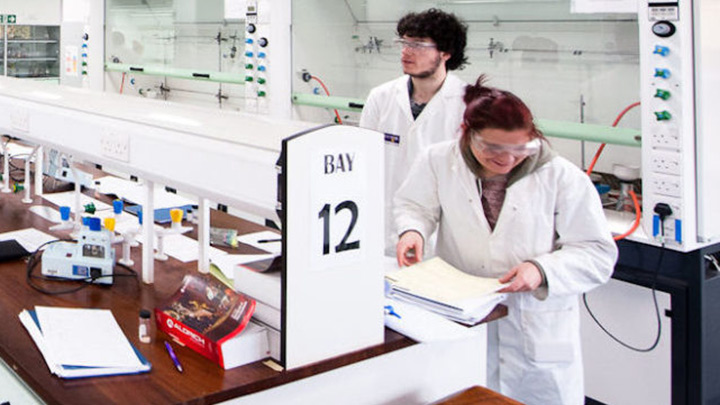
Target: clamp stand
column 176, row 228
column 65, row 220
column 128, row 241
column 6, row 168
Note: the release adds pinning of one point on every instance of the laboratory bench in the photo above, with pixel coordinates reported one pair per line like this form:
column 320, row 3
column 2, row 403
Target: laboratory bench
column 202, row 381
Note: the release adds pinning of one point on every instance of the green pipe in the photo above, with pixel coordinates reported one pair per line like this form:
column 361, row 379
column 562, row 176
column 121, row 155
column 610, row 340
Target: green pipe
column 590, row 132
column 553, row 129
column 339, row 103
column 207, row 76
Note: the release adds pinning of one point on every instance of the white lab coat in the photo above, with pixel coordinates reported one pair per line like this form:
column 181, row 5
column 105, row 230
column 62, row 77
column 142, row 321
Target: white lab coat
column 552, row 216
column 387, row 110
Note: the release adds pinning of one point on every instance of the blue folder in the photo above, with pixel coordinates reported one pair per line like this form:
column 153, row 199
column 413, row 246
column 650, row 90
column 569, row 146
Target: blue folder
column 162, row 215
column 71, row 372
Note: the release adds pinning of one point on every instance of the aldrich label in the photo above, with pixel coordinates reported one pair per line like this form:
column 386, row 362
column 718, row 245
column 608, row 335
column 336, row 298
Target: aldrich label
column 338, row 163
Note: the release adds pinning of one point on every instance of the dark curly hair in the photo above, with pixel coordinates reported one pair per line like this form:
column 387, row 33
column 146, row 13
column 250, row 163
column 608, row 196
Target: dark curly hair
column 445, row 29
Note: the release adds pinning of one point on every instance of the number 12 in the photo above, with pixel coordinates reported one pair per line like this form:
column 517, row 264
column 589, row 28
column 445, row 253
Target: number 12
column 344, row 245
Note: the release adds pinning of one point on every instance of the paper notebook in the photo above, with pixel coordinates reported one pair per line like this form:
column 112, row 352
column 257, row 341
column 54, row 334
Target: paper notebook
column 439, row 287
column 31, row 322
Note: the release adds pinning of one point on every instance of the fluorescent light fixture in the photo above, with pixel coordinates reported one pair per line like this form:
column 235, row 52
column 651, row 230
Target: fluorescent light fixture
column 174, row 119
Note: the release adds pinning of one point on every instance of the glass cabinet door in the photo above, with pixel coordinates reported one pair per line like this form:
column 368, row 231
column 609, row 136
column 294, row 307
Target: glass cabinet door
column 32, row 51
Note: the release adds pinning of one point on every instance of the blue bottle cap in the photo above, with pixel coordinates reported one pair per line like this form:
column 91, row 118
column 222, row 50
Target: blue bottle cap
column 65, row 213
column 118, row 206
column 94, row 223
column 86, row 221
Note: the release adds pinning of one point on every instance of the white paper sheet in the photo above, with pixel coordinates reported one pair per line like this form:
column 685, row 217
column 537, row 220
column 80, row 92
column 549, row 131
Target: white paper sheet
column 265, row 240
column 422, row 325
column 437, row 280
column 227, row 263
column 29, row 238
column 15, row 149
column 68, row 199
column 135, row 192
column 183, row 248
column 48, row 213
column 85, row 337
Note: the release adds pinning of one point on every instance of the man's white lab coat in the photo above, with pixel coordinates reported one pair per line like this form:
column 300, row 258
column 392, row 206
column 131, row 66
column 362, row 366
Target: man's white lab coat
column 387, row 110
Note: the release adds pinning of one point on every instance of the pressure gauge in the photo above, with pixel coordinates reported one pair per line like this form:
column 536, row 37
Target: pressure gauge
column 663, row 29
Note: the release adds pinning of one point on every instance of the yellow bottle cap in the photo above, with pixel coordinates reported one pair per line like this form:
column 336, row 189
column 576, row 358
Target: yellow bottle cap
column 176, row 215
column 109, row 223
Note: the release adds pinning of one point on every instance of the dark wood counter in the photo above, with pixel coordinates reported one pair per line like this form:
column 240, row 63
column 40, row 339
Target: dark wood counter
column 202, row 382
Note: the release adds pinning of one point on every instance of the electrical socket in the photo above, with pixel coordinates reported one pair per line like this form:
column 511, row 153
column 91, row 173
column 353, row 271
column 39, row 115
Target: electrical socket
column 116, row 146
column 666, row 185
column 666, row 162
column 663, row 139
column 20, row 120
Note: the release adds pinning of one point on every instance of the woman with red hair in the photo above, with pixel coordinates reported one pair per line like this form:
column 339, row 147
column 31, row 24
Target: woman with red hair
column 505, row 205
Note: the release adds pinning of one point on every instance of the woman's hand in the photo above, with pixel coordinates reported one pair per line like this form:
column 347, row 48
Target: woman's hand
column 525, row 277
column 409, row 248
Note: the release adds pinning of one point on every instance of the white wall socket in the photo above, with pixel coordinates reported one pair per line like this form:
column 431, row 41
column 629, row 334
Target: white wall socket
column 666, row 162
column 20, row 120
column 665, row 139
column 666, row 185
column 115, row 146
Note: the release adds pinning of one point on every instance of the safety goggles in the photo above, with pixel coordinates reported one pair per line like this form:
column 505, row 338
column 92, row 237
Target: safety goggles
column 494, row 149
column 413, row 45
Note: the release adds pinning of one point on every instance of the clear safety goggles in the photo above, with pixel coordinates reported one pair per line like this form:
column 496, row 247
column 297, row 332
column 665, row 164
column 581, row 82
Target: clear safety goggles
column 413, row 45
column 494, row 149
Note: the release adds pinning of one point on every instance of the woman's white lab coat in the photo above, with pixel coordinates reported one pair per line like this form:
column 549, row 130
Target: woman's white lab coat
column 387, row 110
column 552, row 216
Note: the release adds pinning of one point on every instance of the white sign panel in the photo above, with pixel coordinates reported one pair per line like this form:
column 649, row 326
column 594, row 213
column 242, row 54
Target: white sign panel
column 333, row 243
column 337, row 188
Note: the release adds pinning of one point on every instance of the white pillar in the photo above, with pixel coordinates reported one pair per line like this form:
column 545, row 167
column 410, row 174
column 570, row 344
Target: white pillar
column 204, row 235
column 148, row 231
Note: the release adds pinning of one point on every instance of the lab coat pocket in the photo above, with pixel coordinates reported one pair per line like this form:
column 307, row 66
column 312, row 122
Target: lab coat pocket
column 548, row 335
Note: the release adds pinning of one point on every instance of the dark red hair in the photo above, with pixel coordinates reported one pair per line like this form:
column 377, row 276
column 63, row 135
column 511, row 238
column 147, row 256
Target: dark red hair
column 488, row 107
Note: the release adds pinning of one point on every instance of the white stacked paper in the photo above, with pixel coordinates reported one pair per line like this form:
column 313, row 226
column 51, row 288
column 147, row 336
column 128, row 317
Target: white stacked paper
column 422, row 325
column 78, row 342
column 265, row 287
column 439, row 287
column 249, row 346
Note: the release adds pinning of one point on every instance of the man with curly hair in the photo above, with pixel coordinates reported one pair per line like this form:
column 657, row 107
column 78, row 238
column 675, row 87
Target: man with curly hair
column 424, row 106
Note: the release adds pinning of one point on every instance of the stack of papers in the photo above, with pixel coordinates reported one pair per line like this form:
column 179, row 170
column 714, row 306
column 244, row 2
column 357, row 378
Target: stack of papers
column 422, row 325
column 439, row 287
column 79, row 343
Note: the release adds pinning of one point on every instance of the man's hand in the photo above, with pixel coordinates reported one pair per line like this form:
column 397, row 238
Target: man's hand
column 409, row 248
column 525, row 277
